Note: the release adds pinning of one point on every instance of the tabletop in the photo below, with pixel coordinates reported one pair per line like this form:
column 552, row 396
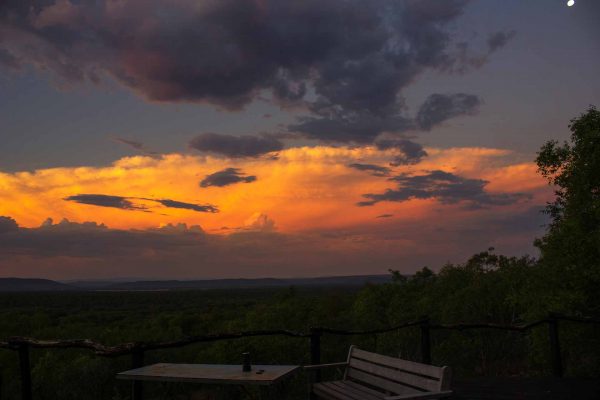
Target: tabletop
column 210, row 373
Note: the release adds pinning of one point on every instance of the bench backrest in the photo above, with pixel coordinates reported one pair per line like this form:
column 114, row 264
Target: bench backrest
column 395, row 375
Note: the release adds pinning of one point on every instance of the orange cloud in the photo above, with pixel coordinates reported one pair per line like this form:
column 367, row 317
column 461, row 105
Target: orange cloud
column 307, row 188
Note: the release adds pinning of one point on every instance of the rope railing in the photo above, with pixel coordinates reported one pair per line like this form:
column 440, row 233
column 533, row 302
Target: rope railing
column 136, row 349
column 100, row 349
column 464, row 326
column 369, row 332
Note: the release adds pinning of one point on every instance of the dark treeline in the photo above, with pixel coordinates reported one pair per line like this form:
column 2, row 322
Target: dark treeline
column 486, row 288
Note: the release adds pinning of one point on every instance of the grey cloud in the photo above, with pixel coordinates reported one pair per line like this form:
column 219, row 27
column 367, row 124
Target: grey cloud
column 385, row 216
column 8, row 60
column 188, row 206
column 218, row 52
column 7, row 224
column 125, row 203
column 236, row 146
column 172, row 250
column 90, row 240
column 362, row 127
column 69, row 249
column 376, row 170
column 410, row 152
column 464, row 59
column 103, row 200
column 228, row 176
column 498, row 40
column 358, row 97
column 356, row 56
column 446, row 187
column 131, row 143
column 135, row 145
column 441, row 107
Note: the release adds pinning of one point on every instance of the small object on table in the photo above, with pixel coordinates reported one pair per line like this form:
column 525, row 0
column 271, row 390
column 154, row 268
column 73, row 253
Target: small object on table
column 246, row 366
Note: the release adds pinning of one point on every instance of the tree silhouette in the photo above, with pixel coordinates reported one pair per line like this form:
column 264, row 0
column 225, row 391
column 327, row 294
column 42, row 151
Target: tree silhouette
column 570, row 249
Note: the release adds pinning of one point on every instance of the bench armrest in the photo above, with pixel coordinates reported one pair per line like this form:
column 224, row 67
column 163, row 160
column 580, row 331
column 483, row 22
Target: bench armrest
column 320, row 366
column 420, row 396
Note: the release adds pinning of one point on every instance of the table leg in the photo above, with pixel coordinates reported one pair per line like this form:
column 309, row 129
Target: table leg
column 137, row 390
column 274, row 392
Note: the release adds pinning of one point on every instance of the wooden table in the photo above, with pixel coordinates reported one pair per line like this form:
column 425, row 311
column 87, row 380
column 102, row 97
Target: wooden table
column 210, row 373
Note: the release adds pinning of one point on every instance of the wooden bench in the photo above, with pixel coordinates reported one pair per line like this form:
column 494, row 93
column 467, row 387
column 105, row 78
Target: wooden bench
column 372, row 376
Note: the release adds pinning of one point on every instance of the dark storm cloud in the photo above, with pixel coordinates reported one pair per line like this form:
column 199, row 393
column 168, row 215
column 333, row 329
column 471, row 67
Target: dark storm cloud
column 355, row 56
column 376, row 170
column 410, row 152
column 103, row 200
column 236, row 146
column 498, row 40
column 446, row 187
column 89, row 239
column 441, row 107
column 8, row 60
column 228, row 176
column 358, row 127
column 80, row 249
column 466, row 60
column 364, row 126
column 125, row 203
column 7, row 224
column 188, row 206
column 130, row 143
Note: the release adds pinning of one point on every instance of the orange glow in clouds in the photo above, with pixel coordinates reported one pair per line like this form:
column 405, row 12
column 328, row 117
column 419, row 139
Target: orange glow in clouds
column 308, row 188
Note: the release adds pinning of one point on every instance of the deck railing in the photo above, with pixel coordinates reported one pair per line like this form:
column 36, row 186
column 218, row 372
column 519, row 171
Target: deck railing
column 137, row 349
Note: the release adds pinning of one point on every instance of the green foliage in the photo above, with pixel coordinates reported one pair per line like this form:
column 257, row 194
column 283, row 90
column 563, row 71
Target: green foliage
column 487, row 288
column 570, row 250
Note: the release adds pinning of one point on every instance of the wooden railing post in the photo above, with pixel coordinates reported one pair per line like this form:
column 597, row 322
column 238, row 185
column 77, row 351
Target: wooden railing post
column 315, row 350
column 425, row 341
column 25, row 367
column 137, row 361
column 557, row 367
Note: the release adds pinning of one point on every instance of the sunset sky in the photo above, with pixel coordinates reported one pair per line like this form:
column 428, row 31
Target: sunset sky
column 251, row 138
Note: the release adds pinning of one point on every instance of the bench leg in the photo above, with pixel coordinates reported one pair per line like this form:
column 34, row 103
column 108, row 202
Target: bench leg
column 137, row 390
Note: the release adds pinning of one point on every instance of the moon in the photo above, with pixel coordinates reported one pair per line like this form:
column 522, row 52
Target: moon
column 571, row 3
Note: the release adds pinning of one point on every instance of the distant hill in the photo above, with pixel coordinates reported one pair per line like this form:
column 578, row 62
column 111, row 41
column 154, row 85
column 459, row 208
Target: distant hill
column 32, row 285
column 43, row 285
column 233, row 283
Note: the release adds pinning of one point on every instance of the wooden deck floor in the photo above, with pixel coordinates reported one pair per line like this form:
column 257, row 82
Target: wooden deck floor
column 527, row 389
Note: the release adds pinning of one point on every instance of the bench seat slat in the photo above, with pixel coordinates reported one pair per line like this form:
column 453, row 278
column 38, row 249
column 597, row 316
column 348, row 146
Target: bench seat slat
column 354, row 392
column 423, row 396
column 358, row 392
column 379, row 382
column 418, row 368
column 325, row 391
column 363, row 388
column 401, row 377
